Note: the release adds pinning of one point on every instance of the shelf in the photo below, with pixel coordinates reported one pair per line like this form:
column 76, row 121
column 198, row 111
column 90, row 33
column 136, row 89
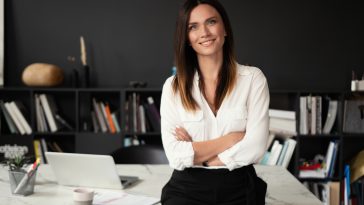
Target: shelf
column 143, row 134
column 319, row 179
column 335, row 136
column 141, row 90
column 99, row 133
column 353, row 135
column 53, row 133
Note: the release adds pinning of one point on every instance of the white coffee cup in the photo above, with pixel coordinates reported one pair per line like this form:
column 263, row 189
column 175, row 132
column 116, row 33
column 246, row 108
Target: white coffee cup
column 83, row 196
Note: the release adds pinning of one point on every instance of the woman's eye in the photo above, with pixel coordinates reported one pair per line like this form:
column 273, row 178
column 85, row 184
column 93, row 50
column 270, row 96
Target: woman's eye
column 192, row 27
column 211, row 22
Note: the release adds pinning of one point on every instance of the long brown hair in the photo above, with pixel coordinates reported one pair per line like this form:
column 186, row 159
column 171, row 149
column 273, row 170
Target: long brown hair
column 186, row 58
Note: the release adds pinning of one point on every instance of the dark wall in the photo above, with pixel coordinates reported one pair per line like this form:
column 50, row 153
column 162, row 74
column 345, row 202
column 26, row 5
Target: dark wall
column 312, row 45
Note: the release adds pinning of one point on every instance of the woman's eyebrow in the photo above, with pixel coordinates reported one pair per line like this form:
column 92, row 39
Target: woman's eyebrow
column 193, row 23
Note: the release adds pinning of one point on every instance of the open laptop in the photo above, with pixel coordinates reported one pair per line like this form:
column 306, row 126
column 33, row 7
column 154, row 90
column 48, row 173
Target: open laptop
column 87, row 170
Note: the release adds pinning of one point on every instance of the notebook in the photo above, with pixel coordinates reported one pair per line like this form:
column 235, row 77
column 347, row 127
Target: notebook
column 87, row 170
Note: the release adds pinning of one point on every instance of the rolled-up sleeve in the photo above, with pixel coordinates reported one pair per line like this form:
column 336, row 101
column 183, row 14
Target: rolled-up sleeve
column 252, row 147
column 180, row 154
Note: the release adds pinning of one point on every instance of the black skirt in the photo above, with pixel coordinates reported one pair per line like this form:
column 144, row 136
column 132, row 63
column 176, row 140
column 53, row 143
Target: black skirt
column 214, row 186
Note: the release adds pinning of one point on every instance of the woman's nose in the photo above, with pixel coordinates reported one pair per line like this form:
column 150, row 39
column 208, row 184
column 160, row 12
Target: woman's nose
column 205, row 31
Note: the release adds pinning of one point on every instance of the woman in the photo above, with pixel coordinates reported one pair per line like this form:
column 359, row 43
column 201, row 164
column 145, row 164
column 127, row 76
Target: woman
column 214, row 114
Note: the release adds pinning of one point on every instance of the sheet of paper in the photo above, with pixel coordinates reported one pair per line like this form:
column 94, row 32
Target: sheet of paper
column 119, row 197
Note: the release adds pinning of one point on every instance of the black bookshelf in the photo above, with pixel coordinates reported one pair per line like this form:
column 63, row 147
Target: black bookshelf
column 75, row 104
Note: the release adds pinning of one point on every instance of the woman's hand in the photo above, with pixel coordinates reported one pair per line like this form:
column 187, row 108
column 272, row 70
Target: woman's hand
column 182, row 135
column 215, row 161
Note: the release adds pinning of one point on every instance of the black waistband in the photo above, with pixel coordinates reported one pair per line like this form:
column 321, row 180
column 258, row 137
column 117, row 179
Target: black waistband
column 206, row 175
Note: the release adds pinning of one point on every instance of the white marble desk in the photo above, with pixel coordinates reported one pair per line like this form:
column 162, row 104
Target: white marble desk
column 283, row 188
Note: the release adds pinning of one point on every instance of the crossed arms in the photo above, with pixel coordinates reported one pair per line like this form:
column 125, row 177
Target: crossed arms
column 207, row 151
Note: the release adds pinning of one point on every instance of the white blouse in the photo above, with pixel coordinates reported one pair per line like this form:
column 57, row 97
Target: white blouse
column 244, row 109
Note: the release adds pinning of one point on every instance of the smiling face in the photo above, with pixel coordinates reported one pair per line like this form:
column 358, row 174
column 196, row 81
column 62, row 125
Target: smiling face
column 206, row 32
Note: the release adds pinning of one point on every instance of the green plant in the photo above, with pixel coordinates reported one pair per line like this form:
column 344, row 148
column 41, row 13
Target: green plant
column 16, row 163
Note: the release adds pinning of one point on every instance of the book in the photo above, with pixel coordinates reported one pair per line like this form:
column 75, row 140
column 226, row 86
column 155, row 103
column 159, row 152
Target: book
column 104, row 116
column 95, row 124
column 142, row 119
column 153, row 114
column 275, row 152
column 288, row 155
column 265, row 158
column 14, row 117
column 303, row 116
column 134, row 109
column 285, row 114
column 37, row 114
column 313, row 114
column 40, row 114
column 12, row 127
column 331, row 116
column 38, row 151
column 318, row 174
column 332, row 164
column 329, row 156
column 127, row 121
column 116, row 122
column 44, row 145
column 285, row 125
column 318, row 114
column 61, row 121
column 346, row 184
column 109, row 118
column 17, row 106
column 48, row 112
column 57, row 147
column 283, row 153
column 44, row 148
column 334, row 197
column 99, row 116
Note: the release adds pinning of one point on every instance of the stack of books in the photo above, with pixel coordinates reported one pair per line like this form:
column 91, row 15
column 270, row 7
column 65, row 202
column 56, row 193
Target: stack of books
column 142, row 115
column 282, row 122
column 14, row 113
column 324, row 169
column 41, row 146
column 103, row 119
column 279, row 154
column 311, row 118
column 48, row 117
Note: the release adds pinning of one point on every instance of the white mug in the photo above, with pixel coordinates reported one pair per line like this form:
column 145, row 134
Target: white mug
column 82, row 196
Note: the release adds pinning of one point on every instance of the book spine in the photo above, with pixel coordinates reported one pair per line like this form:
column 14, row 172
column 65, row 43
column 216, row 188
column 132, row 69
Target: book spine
column 287, row 158
column 14, row 117
column 313, row 115
column 48, row 113
column 331, row 116
column 319, row 114
column 109, row 118
column 94, row 122
column 9, row 121
column 142, row 119
column 135, row 128
column 303, row 115
column 21, row 118
column 116, row 122
column 104, row 116
column 155, row 114
column 99, row 115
